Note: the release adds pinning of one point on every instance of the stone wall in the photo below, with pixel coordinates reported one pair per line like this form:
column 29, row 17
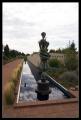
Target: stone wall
column 59, row 56
column 35, row 59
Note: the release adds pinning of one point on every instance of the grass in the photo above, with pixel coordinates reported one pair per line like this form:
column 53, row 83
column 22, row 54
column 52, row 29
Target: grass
column 10, row 87
column 16, row 73
column 9, row 93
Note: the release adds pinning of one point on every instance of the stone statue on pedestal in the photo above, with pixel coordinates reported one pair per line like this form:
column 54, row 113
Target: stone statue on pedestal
column 43, row 89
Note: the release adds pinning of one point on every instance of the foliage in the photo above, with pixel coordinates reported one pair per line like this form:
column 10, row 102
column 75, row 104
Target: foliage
column 65, row 51
column 9, row 55
column 77, row 71
column 25, row 58
column 9, row 93
column 72, row 46
column 5, row 57
column 55, row 51
column 55, row 72
column 6, row 50
column 27, row 54
column 71, row 61
column 68, row 79
column 16, row 74
column 58, row 50
column 10, row 87
column 54, row 63
column 52, row 51
column 62, row 75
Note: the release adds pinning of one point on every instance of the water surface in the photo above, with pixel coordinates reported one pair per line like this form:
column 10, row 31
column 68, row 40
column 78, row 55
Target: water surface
column 29, row 84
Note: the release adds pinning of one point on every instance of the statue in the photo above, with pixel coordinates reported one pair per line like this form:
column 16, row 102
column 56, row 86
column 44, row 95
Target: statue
column 43, row 89
column 25, row 59
column 44, row 56
column 43, row 44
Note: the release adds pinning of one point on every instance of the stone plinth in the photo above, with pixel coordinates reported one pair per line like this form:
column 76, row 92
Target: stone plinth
column 43, row 90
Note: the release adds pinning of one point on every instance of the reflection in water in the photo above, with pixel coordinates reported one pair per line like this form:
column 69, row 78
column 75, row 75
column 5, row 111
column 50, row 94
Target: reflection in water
column 28, row 86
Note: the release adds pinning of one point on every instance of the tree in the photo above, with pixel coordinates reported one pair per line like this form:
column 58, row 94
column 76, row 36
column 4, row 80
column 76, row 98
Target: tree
column 65, row 50
column 13, row 53
column 52, row 51
column 6, row 50
column 71, row 61
column 69, row 49
column 22, row 54
column 58, row 50
column 72, row 46
column 27, row 54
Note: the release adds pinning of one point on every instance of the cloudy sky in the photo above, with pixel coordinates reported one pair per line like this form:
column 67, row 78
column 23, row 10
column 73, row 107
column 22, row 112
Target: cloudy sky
column 24, row 22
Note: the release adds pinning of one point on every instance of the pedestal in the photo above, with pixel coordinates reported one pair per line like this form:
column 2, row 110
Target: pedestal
column 43, row 90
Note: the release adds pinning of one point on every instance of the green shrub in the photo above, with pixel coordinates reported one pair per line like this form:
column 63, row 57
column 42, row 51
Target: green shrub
column 68, row 79
column 16, row 73
column 55, row 72
column 9, row 93
column 71, row 62
column 14, row 76
column 77, row 71
column 54, row 63
column 19, row 68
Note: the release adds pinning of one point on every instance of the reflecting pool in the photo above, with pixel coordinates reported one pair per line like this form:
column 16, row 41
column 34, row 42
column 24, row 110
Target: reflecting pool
column 28, row 85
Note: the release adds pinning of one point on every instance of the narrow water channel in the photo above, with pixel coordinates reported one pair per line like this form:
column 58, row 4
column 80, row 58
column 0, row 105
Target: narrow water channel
column 28, row 85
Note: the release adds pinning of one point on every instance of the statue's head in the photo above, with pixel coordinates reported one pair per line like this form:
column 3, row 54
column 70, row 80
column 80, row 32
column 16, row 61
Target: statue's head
column 43, row 34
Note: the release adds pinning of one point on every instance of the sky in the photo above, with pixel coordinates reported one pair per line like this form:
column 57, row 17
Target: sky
column 23, row 24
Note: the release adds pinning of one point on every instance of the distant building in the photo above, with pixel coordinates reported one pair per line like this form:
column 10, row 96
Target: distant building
column 58, row 56
column 35, row 59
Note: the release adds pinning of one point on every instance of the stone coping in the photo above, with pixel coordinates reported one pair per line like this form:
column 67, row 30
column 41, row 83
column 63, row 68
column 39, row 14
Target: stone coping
column 61, row 87
column 46, row 102
column 34, row 103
